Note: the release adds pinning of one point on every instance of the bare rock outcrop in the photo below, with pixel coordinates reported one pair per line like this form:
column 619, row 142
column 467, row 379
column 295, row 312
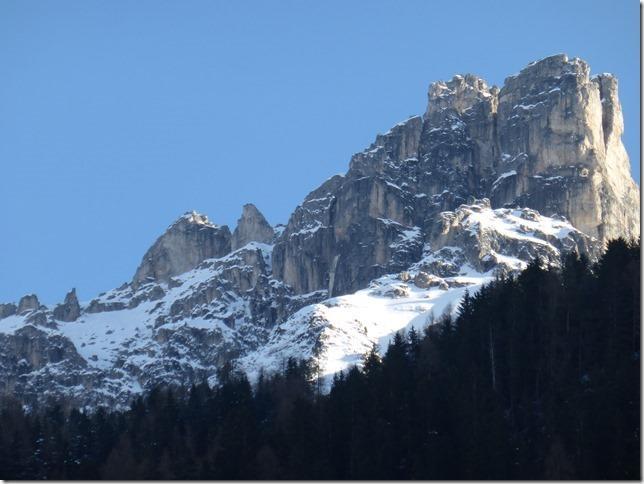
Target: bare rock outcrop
column 548, row 139
column 491, row 238
column 70, row 309
column 251, row 227
column 188, row 242
column 346, row 233
column 28, row 303
column 560, row 131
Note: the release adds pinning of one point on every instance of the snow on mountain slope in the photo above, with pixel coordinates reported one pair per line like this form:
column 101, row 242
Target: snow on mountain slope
column 338, row 332
column 103, row 338
column 136, row 336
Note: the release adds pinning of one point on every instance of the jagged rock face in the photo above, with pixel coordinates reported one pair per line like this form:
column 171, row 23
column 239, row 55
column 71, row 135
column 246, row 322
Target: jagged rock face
column 491, row 238
column 561, row 132
column 549, row 139
column 345, row 234
column 251, row 227
column 458, row 148
column 28, row 303
column 30, row 356
column 69, row 310
column 189, row 241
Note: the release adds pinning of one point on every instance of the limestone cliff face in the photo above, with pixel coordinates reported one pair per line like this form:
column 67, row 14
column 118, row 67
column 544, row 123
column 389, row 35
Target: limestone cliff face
column 188, row 242
column 28, row 303
column 251, row 227
column 549, row 139
column 345, row 234
column 70, row 309
column 560, row 130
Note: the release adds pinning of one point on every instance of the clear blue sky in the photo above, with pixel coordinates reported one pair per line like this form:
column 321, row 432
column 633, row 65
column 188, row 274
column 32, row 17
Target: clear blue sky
column 118, row 116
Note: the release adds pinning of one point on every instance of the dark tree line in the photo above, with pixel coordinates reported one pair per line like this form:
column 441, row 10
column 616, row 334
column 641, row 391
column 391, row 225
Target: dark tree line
column 537, row 378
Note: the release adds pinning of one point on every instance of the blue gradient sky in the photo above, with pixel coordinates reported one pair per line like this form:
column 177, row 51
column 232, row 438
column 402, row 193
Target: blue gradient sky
column 118, row 116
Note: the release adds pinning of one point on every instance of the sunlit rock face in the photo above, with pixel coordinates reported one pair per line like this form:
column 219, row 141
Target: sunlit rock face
column 548, row 139
column 186, row 243
column 251, row 227
column 484, row 181
column 560, row 130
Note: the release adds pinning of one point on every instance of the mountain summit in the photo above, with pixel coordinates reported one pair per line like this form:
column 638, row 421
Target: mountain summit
column 486, row 180
column 187, row 242
column 252, row 227
column 549, row 139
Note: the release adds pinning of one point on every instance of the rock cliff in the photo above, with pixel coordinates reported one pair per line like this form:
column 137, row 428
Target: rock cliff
column 549, row 139
column 69, row 310
column 251, row 227
column 187, row 242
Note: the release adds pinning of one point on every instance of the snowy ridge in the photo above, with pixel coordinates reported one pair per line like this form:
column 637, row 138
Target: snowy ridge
column 197, row 218
column 339, row 332
column 130, row 338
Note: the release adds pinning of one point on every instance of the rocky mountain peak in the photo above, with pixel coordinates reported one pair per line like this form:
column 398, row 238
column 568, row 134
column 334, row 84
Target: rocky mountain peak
column 548, row 68
column 549, row 140
column 561, row 131
column 184, row 245
column 459, row 94
column 194, row 217
column 251, row 227
column 70, row 309
column 28, row 303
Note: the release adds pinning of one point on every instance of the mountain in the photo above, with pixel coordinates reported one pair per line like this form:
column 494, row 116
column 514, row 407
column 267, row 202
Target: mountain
column 486, row 180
